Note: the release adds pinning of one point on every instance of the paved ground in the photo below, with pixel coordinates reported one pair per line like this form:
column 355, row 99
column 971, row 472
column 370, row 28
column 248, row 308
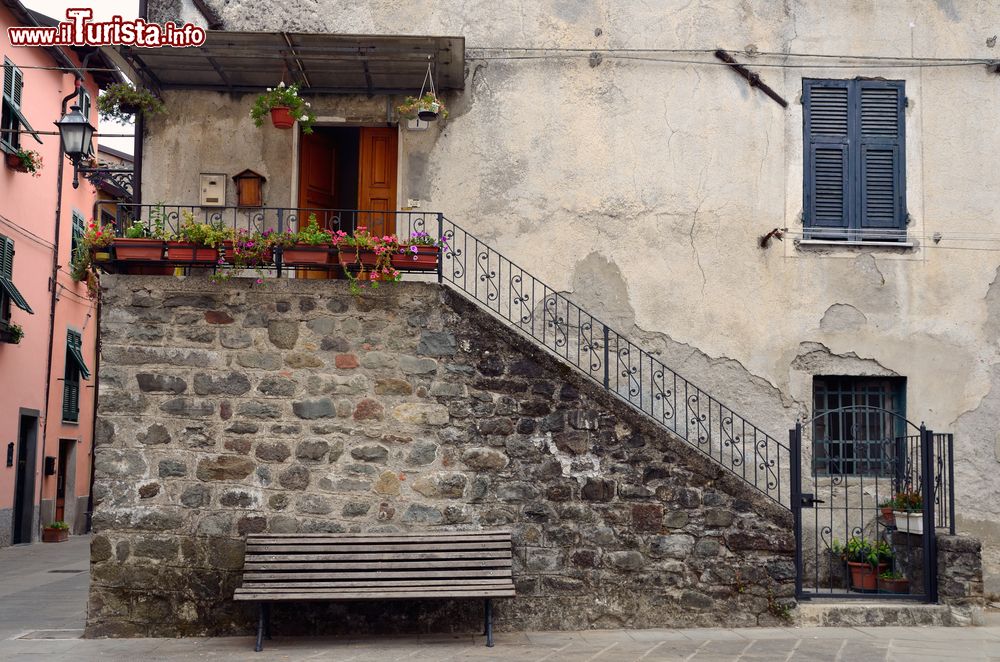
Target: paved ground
column 42, row 616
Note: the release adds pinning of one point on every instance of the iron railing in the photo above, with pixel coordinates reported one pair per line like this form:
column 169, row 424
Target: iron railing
column 614, row 362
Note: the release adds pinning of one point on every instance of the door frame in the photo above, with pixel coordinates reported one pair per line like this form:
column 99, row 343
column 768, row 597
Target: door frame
column 25, row 486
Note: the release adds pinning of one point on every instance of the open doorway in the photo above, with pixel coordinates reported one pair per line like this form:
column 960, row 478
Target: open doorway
column 24, row 478
column 351, row 170
column 65, row 481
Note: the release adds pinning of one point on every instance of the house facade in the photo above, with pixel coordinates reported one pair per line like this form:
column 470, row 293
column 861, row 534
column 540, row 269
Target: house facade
column 47, row 407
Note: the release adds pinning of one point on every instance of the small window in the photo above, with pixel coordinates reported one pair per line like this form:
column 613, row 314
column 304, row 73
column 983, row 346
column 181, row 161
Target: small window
column 13, row 81
column 78, row 231
column 855, row 168
column 75, row 368
column 859, row 424
column 9, row 294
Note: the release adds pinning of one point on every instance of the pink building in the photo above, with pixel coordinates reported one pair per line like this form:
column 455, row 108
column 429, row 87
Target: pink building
column 47, row 378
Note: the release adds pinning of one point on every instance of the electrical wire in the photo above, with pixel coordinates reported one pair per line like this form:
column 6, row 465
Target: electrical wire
column 28, row 234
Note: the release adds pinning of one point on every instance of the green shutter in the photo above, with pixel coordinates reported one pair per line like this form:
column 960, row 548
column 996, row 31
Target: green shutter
column 881, row 127
column 8, row 80
column 71, row 401
column 7, row 287
column 77, row 232
column 74, row 355
column 826, row 114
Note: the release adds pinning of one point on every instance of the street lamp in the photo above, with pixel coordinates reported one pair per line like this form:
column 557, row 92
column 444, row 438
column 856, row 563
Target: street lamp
column 77, row 134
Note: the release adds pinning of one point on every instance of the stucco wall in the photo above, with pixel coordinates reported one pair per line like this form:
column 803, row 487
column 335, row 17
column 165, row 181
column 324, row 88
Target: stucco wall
column 642, row 187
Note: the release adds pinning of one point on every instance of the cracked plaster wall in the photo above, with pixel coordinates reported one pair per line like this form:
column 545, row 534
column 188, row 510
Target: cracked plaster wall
column 641, row 189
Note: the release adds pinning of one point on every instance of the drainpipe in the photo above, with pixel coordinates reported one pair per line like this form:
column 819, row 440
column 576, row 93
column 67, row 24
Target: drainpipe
column 138, row 129
column 93, row 419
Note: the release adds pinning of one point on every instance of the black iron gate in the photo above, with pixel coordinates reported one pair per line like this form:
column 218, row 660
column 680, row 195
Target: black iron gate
column 869, row 488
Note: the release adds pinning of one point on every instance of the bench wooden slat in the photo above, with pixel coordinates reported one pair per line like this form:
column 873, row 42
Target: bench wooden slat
column 500, row 581
column 378, row 556
column 379, row 566
column 303, row 597
column 389, row 574
column 306, row 538
column 322, row 546
column 397, row 590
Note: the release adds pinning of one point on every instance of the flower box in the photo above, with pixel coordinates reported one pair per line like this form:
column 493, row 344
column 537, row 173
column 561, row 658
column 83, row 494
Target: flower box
column 425, row 258
column 15, row 163
column 350, row 256
column 306, row 254
column 864, row 577
column 909, row 522
column 8, row 335
column 50, row 534
column 149, row 250
column 901, row 585
column 182, row 251
column 229, row 255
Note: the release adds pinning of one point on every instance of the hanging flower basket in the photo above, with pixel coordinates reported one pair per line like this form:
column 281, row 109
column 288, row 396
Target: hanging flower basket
column 281, row 117
column 14, row 162
column 426, row 107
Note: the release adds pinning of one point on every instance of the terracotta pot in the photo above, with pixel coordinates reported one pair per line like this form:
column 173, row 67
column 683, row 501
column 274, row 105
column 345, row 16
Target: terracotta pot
column 894, row 586
column 864, row 577
column 55, row 535
column 14, row 162
column 887, row 517
column 352, row 257
column 281, row 117
column 306, row 254
column 425, row 259
column 149, row 250
column 182, row 251
column 229, row 255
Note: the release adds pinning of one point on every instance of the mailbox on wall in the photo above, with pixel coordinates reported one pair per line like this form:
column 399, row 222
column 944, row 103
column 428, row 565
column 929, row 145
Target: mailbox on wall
column 50, row 465
column 213, row 189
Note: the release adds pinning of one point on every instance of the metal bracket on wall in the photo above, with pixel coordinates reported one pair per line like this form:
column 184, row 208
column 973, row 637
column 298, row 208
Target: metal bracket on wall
column 751, row 77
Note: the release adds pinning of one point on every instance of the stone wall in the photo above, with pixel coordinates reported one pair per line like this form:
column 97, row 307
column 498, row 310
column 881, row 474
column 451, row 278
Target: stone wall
column 227, row 409
column 960, row 576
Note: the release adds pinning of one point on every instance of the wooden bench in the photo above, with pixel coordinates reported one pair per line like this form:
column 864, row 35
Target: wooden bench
column 293, row 567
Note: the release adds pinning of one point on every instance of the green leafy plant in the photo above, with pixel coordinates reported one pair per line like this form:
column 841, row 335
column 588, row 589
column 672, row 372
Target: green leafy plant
column 411, row 106
column 382, row 272
column 30, row 161
column 15, row 332
column 202, row 234
column 137, row 230
column 862, row 550
column 910, row 501
column 58, row 525
column 283, row 96
column 96, row 238
column 314, row 235
column 121, row 101
column 250, row 250
column 891, row 574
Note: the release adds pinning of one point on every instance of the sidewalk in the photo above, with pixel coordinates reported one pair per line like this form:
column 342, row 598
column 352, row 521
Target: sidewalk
column 42, row 615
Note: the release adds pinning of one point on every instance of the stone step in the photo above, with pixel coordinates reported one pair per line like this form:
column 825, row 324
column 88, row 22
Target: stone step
column 875, row 613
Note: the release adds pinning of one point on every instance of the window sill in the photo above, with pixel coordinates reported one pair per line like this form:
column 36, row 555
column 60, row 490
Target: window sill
column 833, row 243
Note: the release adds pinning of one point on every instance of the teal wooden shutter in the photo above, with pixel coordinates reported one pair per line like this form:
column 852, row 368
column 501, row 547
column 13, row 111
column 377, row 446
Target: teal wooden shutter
column 882, row 178
column 78, row 231
column 826, row 114
column 7, row 287
column 71, row 378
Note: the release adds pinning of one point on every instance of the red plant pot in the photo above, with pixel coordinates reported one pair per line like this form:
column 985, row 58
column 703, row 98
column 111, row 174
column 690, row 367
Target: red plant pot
column 901, row 586
column 887, row 517
column 55, row 535
column 363, row 259
column 149, row 250
column 14, row 162
column 229, row 255
column 306, row 254
column 425, row 259
column 864, row 577
column 182, row 251
column 281, row 117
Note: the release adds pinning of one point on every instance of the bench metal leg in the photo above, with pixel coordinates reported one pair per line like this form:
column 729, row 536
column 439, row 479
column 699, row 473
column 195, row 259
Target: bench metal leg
column 260, row 627
column 489, row 623
column 267, row 622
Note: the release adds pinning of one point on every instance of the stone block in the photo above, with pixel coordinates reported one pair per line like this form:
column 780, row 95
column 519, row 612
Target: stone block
column 370, row 453
column 393, row 386
column 369, row 410
column 484, row 459
column 283, row 334
column 418, row 413
column 387, row 483
column 160, row 383
column 276, row 451
column 295, row 477
column 312, row 449
column 313, row 409
column 437, row 343
column 225, row 467
column 233, row 383
column 441, row 485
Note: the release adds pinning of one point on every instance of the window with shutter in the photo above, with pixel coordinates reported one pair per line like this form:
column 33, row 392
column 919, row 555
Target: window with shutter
column 8, row 291
column 78, row 230
column 854, row 174
column 71, row 379
column 12, row 83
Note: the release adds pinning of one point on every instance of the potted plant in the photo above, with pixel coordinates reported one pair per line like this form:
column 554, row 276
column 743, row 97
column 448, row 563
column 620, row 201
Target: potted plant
column 908, row 512
column 138, row 244
column 242, row 250
column 121, row 101
column 94, row 246
column 310, row 245
column 886, row 508
column 893, row 582
column 195, row 242
column 427, row 107
column 866, row 560
column 285, row 107
column 25, row 160
column 11, row 333
column 55, row 532
column 419, row 252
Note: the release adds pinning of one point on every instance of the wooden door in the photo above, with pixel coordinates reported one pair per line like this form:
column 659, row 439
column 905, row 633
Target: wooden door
column 377, row 179
column 317, row 155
